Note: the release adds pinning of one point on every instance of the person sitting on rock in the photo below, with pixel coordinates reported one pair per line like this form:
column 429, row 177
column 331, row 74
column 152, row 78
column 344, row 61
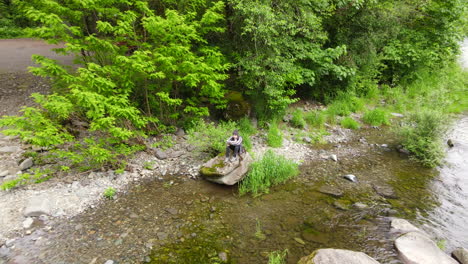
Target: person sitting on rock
column 234, row 144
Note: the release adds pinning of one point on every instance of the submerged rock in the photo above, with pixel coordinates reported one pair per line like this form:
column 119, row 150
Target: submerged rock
column 385, row 191
column 416, row 248
column 461, row 254
column 402, row 226
column 216, row 170
column 337, row 256
column 330, row 190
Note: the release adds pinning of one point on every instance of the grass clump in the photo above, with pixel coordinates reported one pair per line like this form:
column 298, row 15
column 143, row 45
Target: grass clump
column 376, row 117
column 315, row 118
column 271, row 170
column 277, row 257
column 210, row 138
column 297, row 119
column 274, row 136
column 109, row 193
column 246, row 130
column 350, row 123
column 421, row 134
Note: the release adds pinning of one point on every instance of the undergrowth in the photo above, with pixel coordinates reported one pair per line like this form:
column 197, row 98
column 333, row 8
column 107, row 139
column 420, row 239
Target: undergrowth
column 271, row 170
column 274, row 136
column 350, row 123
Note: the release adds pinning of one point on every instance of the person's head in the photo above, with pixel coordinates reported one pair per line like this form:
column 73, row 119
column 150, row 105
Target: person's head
column 235, row 133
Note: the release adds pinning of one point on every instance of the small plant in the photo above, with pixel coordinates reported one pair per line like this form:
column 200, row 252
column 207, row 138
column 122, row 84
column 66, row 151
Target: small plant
column 348, row 122
column 271, row 170
column 109, row 193
column 441, row 243
column 274, row 136
column 277, row 257
column 421, row 134
column 258, row 231
column 166, row 142
column 298, row 119
column 36, row 176
column 315, row 118
column 148, row 165
column 376, row 117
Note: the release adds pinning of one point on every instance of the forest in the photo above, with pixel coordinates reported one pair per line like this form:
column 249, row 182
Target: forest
column 149, row 67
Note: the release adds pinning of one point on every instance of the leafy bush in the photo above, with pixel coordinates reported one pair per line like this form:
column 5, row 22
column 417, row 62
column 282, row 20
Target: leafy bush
column 421, row 134
column 348, row 122
column 210, row 138
column 298, row 119
column 315, row 118
column 271, row 170
column 274, row 136
column 376, row 117
column 277, row 257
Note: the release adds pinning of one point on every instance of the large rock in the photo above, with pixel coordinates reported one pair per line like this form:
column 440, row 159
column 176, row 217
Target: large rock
column 337, row 256
column 402, row 226
column 9, row 149
column 461, row 254
column 160, row 154
column 26, row 164
column 37, row 206
column 385, row 191
column 216, row 170
column 417, row 248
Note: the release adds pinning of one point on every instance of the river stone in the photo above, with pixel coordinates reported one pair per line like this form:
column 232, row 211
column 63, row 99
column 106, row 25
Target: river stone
column 9, row 149
column 402, row 226
column 350, row 177
column 161, row 235
column 397, row 115
column 223, row 256
column 360, row 206
column 28, row 223
column 180, row 132
column 160, row 154
column 385, row 191
column 461, row 254
column 307, row 139
column 216, row 170
column 333, row 157
column 109, row 262
column 26, row 164
column 330, row 190
column 4, row 173
column 37, row 206
column 341, row 205
column 337, row 256
column 450, row 143
column 175, row 154
column 416, row 248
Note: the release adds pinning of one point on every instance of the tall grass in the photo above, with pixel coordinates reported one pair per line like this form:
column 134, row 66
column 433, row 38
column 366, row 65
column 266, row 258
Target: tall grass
column 246, row 130
column 348, row 122
column 376, row 117
column 271, row 170
column 315, row 118
column 277, row 257
column 297, row 119
column 274, row 136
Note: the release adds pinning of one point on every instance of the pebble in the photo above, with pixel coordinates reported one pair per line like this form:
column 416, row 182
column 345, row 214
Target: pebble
column 109, row 262
column 9, row 243
column 27, row 223
column 333, row 157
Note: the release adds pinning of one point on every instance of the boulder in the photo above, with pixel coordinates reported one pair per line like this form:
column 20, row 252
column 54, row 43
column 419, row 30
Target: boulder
column 461, row 254
column 330, row 190
column 402, row 226
column 385, row 191
column 417, row 248
column 216, row 170
column 37, row 206
column 9, row 149
column 26, row 164
column 160, row 154
column 337, row 256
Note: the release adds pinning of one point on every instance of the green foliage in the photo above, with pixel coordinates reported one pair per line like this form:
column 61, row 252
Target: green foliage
column 345, row 104
column 274, row 136
column 210, row 138
column 35, row 176
column 109, row 193
column 315, row 118
column 246, row 129
column 297, row 119
column 421, row 134
column 280, row 46
column 165, row 142
column 348, row 122
column 277, row 257
column 271, row 170
column 376, row 117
